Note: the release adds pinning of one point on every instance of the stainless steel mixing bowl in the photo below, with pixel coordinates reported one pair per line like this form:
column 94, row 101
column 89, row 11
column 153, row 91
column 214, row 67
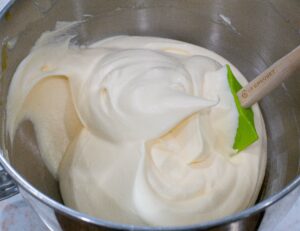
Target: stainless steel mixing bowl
column 251, row 34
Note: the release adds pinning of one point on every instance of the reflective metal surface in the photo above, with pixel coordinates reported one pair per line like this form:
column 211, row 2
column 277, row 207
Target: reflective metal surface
column 8, row 187
column 251, row 34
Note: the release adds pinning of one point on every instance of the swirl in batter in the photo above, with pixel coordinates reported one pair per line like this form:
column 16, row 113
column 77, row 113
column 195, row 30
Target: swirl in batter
column 138, row 130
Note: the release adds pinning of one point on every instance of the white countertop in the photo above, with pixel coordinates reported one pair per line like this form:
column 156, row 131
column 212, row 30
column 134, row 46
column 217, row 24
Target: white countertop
column 17, row 215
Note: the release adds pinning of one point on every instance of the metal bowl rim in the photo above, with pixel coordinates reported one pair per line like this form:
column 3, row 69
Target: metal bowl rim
column 99, row 222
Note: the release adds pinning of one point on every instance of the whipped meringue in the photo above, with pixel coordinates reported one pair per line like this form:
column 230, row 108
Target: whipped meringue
column 138, row 130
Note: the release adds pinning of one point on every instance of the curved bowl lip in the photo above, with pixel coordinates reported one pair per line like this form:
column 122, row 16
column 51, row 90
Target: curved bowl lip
column 99, row 222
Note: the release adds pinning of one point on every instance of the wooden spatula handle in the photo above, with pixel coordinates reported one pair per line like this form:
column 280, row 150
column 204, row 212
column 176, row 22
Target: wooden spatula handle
column 269, row 79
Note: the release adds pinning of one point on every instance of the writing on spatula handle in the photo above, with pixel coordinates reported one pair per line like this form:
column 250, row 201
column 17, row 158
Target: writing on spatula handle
column 271, row 78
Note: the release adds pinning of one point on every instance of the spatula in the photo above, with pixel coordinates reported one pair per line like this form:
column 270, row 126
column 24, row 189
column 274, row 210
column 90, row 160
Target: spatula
column 259, row 87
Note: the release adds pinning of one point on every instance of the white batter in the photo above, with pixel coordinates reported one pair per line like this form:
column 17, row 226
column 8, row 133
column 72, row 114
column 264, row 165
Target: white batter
column 138, row 130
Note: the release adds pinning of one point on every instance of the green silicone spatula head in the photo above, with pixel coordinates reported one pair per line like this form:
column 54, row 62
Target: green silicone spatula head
column 246, row 133
column 260, row 86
